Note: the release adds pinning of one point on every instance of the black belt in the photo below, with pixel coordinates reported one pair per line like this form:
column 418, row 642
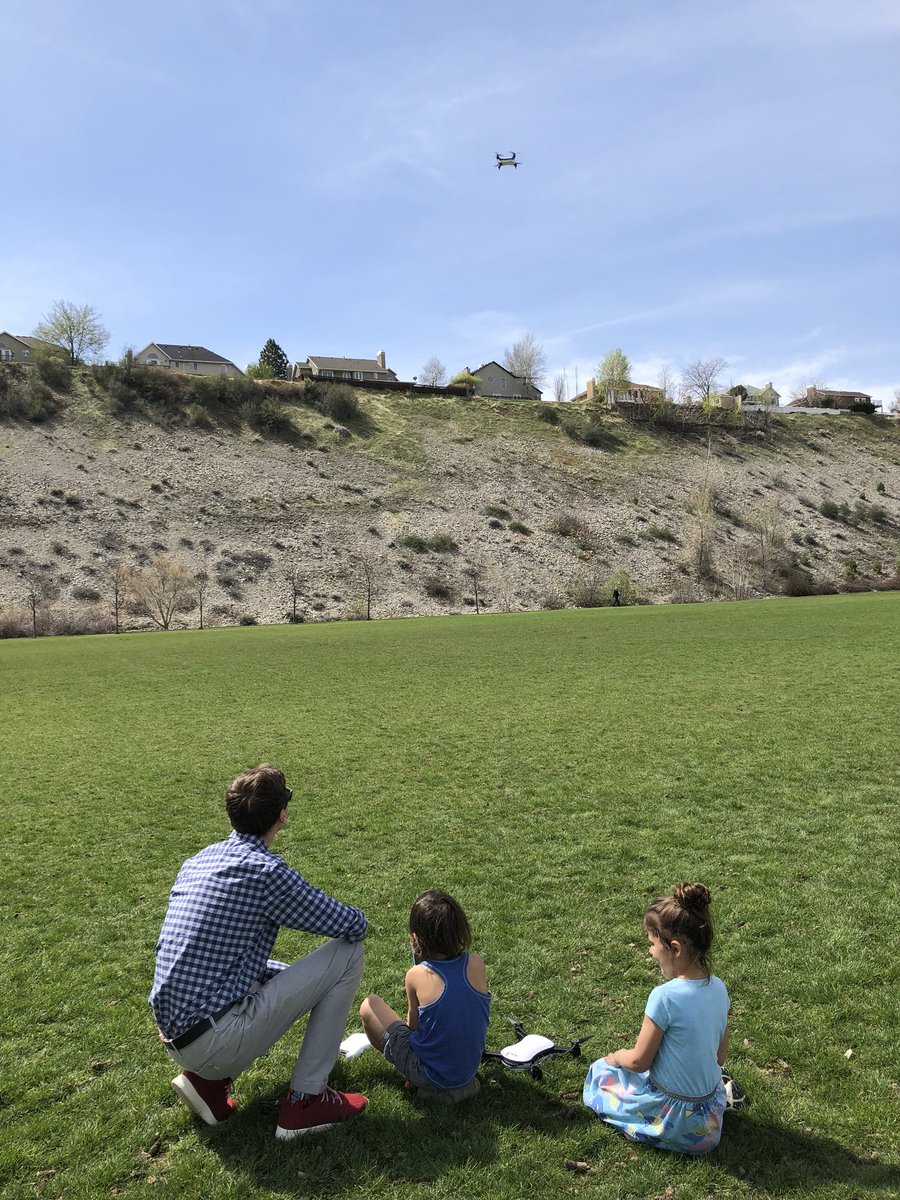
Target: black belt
column 200, row 1028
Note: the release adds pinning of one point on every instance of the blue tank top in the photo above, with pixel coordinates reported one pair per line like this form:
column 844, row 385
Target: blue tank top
column 452, row 1029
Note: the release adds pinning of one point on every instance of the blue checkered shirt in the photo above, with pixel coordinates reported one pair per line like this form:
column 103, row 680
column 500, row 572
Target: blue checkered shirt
column 224, row 912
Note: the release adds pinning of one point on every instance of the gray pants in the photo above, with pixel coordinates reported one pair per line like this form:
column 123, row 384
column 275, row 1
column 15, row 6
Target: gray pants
column 323, row 984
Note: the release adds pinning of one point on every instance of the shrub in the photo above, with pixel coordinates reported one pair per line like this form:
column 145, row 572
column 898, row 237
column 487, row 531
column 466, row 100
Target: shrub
column 88, row 594
column 247, row 619
column 197, row 417
column 877, row 513
column 548, row 413
column 40, row 402
column 438, row 589
column 798, row 583
column 659, row 533
column 592, row 432
column 338, row 402
column 440, row 543
column 829, row 509
column 851, row 568
column 495, row 510
column 880, row 488
column 518, row 527
column 586, row 590
column 567, row 524
column 54, row 371
column 495, row 524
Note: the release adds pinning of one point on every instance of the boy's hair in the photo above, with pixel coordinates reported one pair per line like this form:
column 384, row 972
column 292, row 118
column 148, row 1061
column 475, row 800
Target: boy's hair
column 684, row 917
column 254, row 799
column 439, row 924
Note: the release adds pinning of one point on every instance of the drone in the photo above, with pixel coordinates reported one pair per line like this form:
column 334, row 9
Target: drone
column 530, row 1050
column 506, row 160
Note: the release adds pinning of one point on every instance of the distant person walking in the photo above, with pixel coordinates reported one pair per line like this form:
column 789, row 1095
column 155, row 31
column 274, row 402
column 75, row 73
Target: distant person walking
column 617, row 603
column 220, row 1001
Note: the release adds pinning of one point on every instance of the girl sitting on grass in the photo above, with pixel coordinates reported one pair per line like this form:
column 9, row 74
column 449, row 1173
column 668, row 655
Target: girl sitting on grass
column 667, row 1090
column 439, row 1046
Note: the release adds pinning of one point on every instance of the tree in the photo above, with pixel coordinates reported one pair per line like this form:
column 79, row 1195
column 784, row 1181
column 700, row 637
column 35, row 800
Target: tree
column 895, row 407
column 560, row 387
column 118, row 578
column 161, row 590
column 613, row 375
column 274, row 358
column 433, row 373
column 293, row 577
column 201, row 587
column 666, row 382
column 698, row 382
column 475, row 572
column 367, row 568
column 39, row 591
column 526, row 358
column 465, row 379
column 75, row 327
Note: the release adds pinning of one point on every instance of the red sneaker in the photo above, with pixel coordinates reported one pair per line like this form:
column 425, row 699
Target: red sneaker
column 315, row 1114
column 208, row 1098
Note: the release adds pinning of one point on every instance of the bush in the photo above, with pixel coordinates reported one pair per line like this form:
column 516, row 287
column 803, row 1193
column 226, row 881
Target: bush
column 495, row 510
column 438, row 589
column 798, row 583
column 247, row 619
column 338, row 401
column 829, row 509
column 659, row 533
column 548, row 413
column 518, row 527
column 54, row 371
column 593, row 433
column 880, row 488
column 440, row 543
column 567, row 524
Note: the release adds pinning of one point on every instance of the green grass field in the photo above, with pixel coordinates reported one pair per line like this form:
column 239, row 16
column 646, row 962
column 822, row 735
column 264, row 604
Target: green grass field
column 553, row 770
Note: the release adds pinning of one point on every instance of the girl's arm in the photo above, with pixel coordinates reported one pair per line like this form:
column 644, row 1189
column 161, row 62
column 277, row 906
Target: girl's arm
column 722, row 1052
column 412, row 1001
column 641, row 1057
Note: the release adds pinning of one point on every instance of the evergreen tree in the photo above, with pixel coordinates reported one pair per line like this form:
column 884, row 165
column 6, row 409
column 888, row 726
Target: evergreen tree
column 274, row 358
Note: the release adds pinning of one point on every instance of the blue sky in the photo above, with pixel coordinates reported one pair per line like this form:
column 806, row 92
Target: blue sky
column 698, row 179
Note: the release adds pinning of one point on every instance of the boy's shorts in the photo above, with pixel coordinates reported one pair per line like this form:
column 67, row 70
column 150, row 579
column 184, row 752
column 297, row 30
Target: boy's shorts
column 400, row 1054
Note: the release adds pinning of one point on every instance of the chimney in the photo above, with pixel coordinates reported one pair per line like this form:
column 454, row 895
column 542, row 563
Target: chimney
column 380, row 359
column 589, row 389
column 811, row 392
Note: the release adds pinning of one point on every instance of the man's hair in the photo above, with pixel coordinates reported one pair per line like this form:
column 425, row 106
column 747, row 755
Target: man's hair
column 439, row 925
column 254, row 799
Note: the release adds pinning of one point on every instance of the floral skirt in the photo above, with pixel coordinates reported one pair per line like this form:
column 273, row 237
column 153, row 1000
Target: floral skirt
column 629, row 1101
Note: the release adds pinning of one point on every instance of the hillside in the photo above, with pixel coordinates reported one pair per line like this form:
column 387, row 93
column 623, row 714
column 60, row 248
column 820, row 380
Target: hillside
column 502, row 495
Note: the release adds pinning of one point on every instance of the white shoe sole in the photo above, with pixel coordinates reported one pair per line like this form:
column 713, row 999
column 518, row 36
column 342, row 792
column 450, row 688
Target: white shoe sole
column 186, row 1091
column 286, row 1135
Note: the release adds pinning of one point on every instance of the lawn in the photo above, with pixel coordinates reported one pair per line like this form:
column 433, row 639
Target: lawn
column 554, row 771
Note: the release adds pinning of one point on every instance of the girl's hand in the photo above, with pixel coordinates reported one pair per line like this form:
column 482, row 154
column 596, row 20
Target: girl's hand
column 611, row 1060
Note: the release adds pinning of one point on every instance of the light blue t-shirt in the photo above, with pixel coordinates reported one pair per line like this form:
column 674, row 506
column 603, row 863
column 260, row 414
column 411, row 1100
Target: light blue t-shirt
column 693, row 1014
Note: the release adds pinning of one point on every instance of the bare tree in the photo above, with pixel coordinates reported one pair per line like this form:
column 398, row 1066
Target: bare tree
column 434, row 373
column 667, row 383
column 560, row 387
column 118, row 578
column 699, row 379
column 75, row 327
column 367, row 569
column 39, row 591
column 613, row 375
column 526, row 358
column 161, row 590
column 766, row 521
column 293, row 577
column 895, row 406
column 475, row 572
column 201, row 587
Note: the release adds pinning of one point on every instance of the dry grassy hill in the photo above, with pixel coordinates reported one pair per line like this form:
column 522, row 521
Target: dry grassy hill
column 424, row 496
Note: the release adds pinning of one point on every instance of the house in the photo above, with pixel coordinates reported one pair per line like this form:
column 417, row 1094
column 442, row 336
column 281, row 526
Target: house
column 497, row 381
column 348, row 370
column 636, row 393
column 823, row 397
column 192, row 360
column 21, row 348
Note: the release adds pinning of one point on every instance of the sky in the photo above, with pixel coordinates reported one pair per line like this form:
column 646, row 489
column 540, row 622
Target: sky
column 697, row 180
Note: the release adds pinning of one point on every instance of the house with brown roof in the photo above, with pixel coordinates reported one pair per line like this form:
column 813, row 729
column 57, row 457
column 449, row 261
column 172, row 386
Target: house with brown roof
column 826, row 397
column 635, row 393
column 496, row 381
column 23, row 348
column 345, row 370
column 191, row 360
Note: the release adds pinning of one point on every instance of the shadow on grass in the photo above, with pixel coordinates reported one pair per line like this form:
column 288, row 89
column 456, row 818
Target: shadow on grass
column 399, row 1138
column 774, row 1158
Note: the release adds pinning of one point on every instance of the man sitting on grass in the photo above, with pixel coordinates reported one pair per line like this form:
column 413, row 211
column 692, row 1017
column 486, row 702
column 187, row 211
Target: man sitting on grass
column 218, row 999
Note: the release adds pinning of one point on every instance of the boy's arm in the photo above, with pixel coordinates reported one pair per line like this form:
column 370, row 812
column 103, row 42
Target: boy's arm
column 412, row 1001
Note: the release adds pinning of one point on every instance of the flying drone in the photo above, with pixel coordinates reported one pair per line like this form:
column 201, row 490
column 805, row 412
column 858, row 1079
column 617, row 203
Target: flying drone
column 506, row 160
column 530, row 1051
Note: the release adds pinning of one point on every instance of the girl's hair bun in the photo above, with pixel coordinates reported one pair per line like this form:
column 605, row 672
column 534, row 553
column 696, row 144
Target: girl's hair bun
column 693, row 896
